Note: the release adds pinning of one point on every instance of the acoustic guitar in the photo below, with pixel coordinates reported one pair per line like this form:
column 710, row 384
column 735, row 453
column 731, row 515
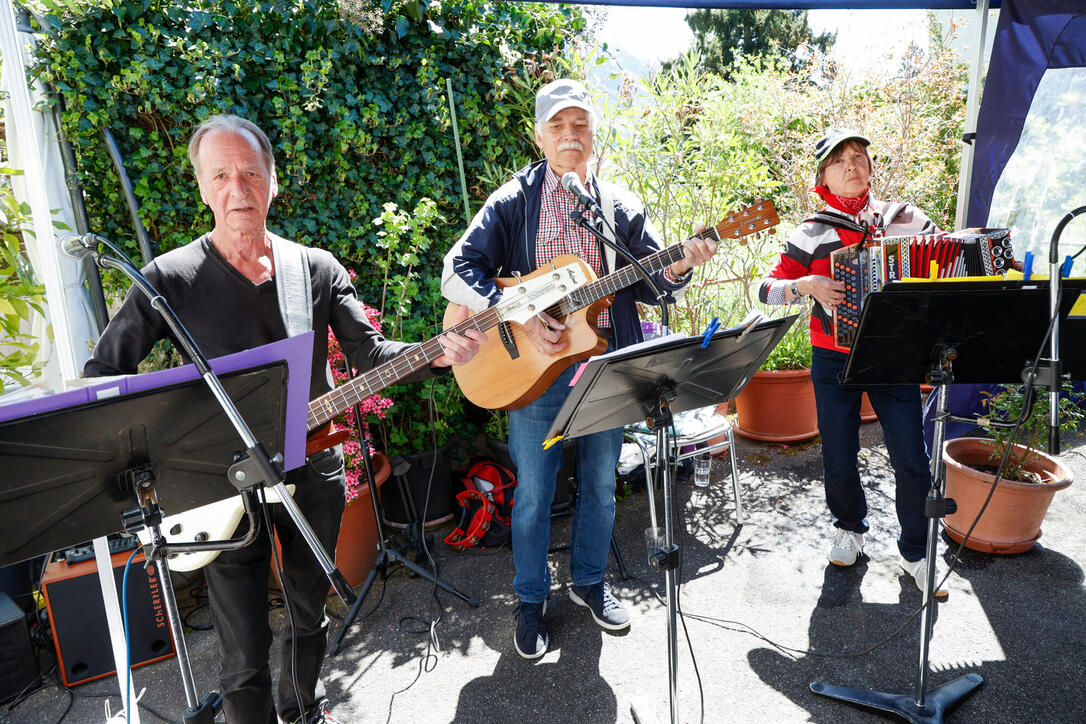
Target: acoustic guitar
column 518, row 303
column 508, row 373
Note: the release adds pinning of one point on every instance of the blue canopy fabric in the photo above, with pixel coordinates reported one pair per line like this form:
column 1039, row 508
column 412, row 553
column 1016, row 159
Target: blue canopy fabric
column 1032, row 36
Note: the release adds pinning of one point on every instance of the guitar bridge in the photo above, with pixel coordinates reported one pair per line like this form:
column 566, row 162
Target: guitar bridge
column 506, row 335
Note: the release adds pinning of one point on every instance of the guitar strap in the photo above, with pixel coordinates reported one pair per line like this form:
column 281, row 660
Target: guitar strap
column 292, row 282
column 607, row 203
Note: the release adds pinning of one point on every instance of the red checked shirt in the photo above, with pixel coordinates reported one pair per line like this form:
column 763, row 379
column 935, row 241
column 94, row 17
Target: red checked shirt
column 558, row 234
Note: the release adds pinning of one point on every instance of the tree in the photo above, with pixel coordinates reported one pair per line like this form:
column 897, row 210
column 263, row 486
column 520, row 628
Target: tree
column 724, row 36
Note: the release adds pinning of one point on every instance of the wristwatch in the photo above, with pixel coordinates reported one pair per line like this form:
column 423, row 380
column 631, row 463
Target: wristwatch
column 795, row 291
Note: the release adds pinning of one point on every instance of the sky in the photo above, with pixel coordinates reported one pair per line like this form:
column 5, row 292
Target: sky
column 650, row 35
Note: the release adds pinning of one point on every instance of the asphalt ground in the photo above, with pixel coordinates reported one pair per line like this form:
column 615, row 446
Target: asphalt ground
column 764, row 616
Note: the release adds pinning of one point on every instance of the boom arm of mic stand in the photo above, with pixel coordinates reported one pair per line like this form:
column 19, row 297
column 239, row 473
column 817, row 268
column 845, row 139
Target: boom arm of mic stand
column 1055, row 284
column 253, row 447
column 622, row 251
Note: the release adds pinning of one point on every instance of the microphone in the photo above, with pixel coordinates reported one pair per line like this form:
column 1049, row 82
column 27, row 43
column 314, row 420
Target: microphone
column 572, row 184
column 78, row 247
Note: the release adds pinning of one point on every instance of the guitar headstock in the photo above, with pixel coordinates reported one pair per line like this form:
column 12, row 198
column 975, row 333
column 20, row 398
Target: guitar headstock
column 759, row 216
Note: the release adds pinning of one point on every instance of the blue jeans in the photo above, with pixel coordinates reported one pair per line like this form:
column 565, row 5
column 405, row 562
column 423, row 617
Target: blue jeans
column 898, row 408
column 537, row 469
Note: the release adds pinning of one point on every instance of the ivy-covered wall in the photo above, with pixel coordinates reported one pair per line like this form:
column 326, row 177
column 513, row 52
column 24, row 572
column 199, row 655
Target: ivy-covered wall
column 352, row 94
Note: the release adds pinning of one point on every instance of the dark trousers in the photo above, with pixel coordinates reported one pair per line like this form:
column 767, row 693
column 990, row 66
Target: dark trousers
column 238, row 594
column 898, row 409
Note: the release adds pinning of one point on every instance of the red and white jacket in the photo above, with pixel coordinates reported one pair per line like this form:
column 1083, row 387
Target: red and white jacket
column 807, row 251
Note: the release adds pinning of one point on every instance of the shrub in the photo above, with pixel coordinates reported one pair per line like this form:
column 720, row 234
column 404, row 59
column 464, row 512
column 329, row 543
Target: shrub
column 21, row 296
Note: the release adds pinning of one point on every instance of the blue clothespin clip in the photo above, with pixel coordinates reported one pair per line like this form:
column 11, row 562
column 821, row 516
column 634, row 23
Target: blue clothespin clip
column 1065, row 269
column 1027, row 265
column 709, row 331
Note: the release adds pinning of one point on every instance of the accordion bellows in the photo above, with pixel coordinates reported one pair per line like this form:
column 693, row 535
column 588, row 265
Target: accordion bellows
column 865, row 268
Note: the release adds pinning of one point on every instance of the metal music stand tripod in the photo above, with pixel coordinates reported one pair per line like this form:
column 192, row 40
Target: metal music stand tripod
column 76, row 471
column 946, row 332
column 652, row 381
column 386, row 554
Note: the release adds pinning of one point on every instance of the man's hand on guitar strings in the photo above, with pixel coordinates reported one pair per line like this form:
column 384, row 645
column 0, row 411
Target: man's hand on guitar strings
column 545, row 334
column 696, row 251
column 459, row 348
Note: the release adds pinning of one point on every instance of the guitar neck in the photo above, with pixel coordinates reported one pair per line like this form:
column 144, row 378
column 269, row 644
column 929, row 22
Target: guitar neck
column 415, row 358
column 628, row 275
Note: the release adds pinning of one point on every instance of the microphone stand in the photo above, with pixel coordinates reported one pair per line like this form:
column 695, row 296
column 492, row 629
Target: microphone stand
column 668, row 557
column 578, row 216
column 1055, row 289
column 251, row 469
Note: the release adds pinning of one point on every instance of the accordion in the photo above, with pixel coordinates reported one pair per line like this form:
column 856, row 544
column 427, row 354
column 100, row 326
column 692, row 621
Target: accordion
column 864, row 268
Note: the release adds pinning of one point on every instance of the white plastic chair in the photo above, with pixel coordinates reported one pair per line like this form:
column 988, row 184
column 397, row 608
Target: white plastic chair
column 694, row 429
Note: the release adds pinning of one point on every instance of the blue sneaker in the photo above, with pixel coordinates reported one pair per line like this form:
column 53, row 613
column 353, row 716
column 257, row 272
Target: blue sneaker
column 530, row 637
column 607, row 611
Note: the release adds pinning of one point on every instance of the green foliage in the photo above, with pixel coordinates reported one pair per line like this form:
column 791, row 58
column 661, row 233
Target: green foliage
column 1007, row 404
column 411, row 305
column 21, row 296
column 694, row 145
column 358, row 116
column 724, row 36
column 353, row 97
column 680, row 153
column 794, row 350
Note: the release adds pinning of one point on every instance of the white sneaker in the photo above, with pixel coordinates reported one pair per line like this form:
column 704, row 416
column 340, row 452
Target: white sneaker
column 846, row 546
column 919, row 571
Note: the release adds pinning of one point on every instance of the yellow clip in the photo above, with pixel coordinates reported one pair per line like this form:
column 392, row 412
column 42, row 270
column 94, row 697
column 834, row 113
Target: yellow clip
column 547, row 443
column 934, row 270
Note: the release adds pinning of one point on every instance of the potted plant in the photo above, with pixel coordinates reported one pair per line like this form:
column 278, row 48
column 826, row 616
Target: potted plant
column 778, row 404
column 356, row 548
column 425, row 417
column 1011, row 523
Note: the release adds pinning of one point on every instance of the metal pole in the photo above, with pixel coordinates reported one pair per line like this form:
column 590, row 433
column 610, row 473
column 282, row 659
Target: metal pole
column 663, row 457
column 965, row 173
column 459, row 153
column 180, row 648
column 927, row 618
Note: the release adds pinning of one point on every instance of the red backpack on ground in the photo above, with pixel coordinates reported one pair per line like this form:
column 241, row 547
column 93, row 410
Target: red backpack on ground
column 486, row 506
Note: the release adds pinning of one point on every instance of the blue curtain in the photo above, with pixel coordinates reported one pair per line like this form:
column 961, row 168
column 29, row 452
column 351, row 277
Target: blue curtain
column 1032, row 36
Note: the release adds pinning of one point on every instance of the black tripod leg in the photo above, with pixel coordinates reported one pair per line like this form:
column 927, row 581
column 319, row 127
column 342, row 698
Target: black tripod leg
column 618, row 559
column 429, row 575
column 378, row 565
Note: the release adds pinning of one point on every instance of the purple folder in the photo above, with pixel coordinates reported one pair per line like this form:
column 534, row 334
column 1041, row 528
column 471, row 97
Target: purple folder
column 296, row 351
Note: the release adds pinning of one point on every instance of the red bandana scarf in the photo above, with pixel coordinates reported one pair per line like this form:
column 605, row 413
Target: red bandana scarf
column 850, row 206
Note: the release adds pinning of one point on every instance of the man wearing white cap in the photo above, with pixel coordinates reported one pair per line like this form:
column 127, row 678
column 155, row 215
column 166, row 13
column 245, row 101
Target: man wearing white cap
column 522, row 226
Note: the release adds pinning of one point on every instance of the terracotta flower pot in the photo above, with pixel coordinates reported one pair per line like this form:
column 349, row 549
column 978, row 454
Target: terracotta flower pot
column 777, row 407
column 356, row 548
column 1012, row 521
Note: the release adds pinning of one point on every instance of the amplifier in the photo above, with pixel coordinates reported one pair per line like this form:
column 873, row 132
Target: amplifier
column 78, row 617
column 18, row 661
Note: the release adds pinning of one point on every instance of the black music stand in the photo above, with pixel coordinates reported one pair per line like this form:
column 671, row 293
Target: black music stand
column 68, row 473
column 652, row 381
column 944, row 332
column 75, row 473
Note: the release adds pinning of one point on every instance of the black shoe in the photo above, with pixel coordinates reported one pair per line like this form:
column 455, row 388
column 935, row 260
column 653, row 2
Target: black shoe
column 607, row 611
column 530, row 637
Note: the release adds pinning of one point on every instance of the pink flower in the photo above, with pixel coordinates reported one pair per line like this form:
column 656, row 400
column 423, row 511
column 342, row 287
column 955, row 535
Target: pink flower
column 373, row 406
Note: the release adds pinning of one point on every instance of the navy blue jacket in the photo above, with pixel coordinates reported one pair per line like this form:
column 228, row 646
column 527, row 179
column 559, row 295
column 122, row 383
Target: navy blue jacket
column 501, row 240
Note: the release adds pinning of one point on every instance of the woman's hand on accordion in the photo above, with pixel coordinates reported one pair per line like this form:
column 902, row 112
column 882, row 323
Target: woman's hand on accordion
column 826, row 291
